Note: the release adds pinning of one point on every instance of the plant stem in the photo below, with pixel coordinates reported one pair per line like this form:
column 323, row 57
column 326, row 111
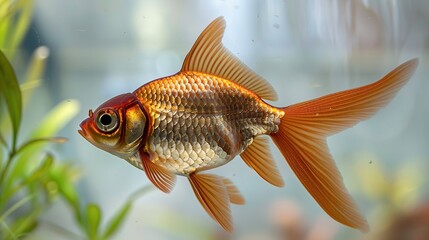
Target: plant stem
column 15, row 151
column 15, row 207
column 3, row 141
column 5, row 226
column 38, row 140
column 6, row 168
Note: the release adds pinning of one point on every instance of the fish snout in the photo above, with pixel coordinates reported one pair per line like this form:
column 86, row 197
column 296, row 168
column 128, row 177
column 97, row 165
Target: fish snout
column 83, row 131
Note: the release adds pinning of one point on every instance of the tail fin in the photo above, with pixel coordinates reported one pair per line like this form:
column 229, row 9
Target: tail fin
column 302, row 139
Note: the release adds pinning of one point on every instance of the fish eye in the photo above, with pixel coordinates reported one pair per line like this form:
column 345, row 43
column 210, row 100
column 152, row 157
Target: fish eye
column 106, row 120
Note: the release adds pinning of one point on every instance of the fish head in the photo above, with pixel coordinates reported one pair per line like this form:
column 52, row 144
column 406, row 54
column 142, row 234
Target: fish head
column 117, row 126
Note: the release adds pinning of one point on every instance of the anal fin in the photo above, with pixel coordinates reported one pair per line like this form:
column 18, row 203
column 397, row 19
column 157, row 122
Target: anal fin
column 159, row 176
column 258, row 157
column 213, row 195
column 234, row 194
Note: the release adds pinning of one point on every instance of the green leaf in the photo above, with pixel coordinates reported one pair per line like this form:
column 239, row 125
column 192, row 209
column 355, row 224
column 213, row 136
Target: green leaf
column 93, row 219
column 35, row 176
column 6, row 231
column 15, row 18
column 1, row 157
column 3, row 141
column 34, row 73
column 11, row 92
column 32, row 80
column 21, row 25
column 16, row 206
column 1, row 107
column 27, row 223
column 116, row 221
column 53, row 122
column 31, row 142
column 56, row 119
column 63, row 177
column 6, row 11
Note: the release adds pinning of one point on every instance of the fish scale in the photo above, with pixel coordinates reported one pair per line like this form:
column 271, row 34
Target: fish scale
column 199, row 117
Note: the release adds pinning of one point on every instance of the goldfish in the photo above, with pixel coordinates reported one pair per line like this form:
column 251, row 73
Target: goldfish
column 214, row 109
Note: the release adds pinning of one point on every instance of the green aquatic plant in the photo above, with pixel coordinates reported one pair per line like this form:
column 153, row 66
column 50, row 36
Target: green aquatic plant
column 31, row 176
column 27, row 172
column 15, row 18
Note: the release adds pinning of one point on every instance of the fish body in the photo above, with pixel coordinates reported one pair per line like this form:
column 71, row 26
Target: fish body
column 214, row 109
column 201, row 121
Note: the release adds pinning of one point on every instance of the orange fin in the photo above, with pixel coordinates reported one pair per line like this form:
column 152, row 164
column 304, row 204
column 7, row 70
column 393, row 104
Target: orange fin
column 234, row 194
column 159, row 176
column 208, row 55
column 311, row 161
column 258, row 157
column 338, row 111
column 302, row 139
column 213, row 196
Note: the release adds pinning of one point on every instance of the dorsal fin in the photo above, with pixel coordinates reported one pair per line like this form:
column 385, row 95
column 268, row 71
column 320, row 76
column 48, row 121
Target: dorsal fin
column 208, row 55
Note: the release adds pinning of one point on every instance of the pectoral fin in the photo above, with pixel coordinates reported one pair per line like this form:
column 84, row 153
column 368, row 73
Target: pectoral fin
column 159, row 176
column 214, row 197
column 258, row 157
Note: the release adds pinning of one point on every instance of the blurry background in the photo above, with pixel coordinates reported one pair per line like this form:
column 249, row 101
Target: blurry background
column 305, row 49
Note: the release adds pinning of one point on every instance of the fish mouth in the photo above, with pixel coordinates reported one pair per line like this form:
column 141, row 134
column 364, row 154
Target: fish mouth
column 82, row 131
column 85, row 135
